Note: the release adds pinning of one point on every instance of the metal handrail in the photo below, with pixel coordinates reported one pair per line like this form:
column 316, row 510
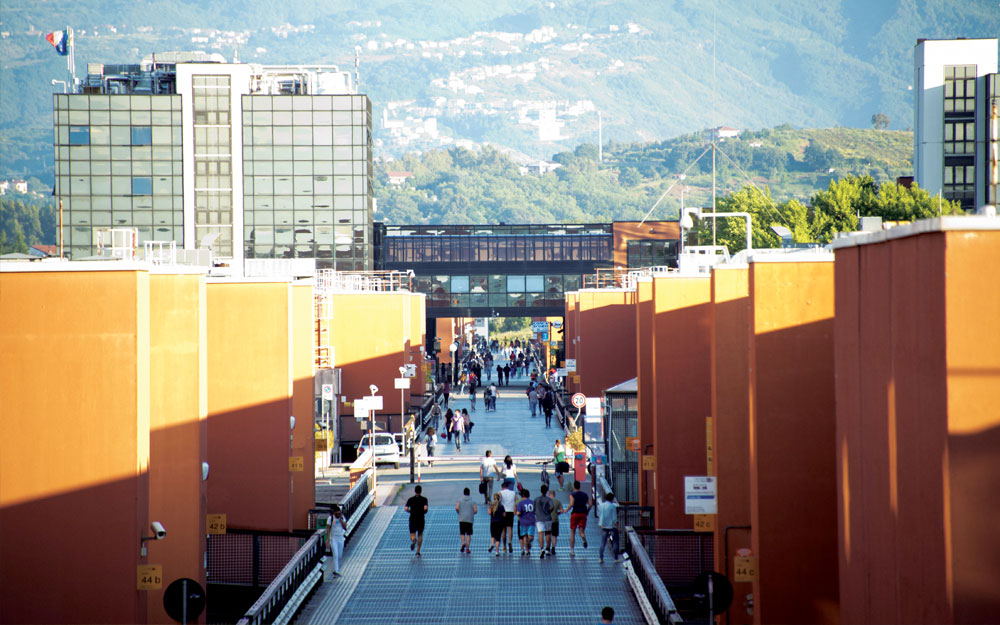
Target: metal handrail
column 653, row 587
column 356, row 502
column 282, row 598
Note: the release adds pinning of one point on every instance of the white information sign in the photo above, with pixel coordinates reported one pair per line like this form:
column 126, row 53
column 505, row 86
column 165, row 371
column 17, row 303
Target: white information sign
column 374, row 402
column 571, row 365
column 699, row 495
column 539, row 326
column 411, row 372
column 328, row 391
column 401, row 383
column 557, row 324
column 594, row 406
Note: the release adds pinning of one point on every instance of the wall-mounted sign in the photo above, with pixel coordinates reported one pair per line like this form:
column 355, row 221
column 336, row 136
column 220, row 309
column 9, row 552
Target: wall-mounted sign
column 328, row 391
column 632, row 443
column 745, row 569
column 571, row 365
column 215, row 523
column 539, row 326
column 699, row 495
column 649, row 462
column 150, row 577
column 295, row 463
column 704, row 522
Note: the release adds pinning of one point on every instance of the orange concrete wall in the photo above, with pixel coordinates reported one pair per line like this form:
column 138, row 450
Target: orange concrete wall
column 730, row 347
column 303, row 393
column 644, row 316
column 446, row 332
column 792, row 449
column 178, row 436
column 973, row 374
column 371, row 335
column 74, row 445
column 917, row 429
column 625, row 231
column 250, row 403
column 571, row 335
column 605, row 352
column 682, row 388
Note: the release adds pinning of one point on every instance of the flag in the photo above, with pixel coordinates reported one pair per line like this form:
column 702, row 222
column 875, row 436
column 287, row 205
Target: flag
column 59, row 41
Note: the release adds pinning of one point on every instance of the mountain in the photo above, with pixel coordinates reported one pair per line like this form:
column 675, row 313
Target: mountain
column 525, row 74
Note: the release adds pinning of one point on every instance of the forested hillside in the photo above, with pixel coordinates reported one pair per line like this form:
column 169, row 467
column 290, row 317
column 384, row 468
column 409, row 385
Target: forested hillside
column 461, row 186
column 529, row 75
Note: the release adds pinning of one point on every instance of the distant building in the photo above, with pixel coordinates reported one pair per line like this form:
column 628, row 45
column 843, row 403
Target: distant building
column 539, row 168
column 20, row 186
column 723, row 132
column 43, row 250
column 399, row 178
column 256, row 161
column 955, row 142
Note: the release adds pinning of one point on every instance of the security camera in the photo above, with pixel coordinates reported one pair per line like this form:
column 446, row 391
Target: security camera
column 373, row 389
column 158, row 531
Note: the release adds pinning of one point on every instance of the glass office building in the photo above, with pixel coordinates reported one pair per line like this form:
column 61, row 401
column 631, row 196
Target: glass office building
column 255, row 162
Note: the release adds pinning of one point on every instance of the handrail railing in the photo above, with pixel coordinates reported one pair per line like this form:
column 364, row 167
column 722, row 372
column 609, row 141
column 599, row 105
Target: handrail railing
column 649, row 580
column 283, row 597
column 356, row 502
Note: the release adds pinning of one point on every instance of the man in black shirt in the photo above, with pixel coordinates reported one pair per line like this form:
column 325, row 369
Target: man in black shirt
column 417, row 507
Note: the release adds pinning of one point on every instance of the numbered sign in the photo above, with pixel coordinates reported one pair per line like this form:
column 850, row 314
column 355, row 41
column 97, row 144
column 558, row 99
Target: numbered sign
column 215, row 523
column 745, row 569
column 150, row 577
column 649, row 463
column 295, row 463
column 579, row 400
column 704, row 522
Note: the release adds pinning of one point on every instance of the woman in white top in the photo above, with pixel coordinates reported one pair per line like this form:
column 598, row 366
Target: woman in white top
column 509, row 471
column 335, row 537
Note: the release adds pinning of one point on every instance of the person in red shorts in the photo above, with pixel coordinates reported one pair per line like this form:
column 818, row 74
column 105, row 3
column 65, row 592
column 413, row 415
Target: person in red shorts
column 580, row 504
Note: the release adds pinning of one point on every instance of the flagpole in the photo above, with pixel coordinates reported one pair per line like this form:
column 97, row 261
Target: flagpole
column 71, row 59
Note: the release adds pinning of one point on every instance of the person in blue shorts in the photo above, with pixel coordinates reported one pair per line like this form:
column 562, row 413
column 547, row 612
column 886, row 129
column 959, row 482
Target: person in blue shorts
column 526, row 521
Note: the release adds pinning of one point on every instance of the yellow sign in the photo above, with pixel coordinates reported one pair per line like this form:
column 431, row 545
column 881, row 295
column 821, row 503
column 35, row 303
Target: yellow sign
column 150, row 577
column 632, row 443
column 709, row 447
column 649, row 463
column 321, row 444
column 295, row 463
column 215, row 523
column 704, row 522
column 745, row 569
column 576, row 379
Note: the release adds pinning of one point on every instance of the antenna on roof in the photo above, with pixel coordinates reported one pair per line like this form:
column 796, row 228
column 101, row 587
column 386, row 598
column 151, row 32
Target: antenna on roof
column 236, row 54
column 357, row 64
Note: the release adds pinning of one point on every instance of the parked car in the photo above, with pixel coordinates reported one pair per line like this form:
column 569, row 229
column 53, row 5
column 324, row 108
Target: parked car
column 386, row 450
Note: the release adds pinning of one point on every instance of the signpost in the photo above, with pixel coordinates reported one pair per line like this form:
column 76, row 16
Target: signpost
column 328, row 391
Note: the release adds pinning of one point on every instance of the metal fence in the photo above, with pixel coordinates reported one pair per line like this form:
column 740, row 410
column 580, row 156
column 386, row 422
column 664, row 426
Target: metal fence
column 250, row 557
column 679, row 557
column 654, row 590
column 623, row 423
column 282, row 598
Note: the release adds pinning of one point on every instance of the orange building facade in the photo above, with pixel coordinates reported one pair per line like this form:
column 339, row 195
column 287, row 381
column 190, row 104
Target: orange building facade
column 918, row 428
column 121, row 384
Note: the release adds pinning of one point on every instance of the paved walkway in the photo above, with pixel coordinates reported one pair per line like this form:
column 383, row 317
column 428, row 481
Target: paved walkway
column 383, row 582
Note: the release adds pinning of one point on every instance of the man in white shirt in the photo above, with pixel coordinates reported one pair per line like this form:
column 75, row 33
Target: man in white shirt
column 487, row 467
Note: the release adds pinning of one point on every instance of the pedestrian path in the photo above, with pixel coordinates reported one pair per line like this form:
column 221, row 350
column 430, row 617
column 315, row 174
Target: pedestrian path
column 445, row 586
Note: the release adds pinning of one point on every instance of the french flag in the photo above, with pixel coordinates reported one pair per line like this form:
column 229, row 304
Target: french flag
column 59, row 39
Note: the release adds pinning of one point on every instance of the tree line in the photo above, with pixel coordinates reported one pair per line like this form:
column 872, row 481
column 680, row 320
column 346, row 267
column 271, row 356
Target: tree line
column 23, row 224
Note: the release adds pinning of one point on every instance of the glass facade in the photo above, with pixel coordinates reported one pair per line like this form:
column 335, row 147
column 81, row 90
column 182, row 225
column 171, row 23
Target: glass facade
column 496, row 290
column 652, row 253
column 118, row 164
column 498, row 248
column 959, row 180
column 307, row 179
column 213, row 162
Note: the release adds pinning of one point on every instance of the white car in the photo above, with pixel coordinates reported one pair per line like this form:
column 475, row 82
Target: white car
column 385, row 448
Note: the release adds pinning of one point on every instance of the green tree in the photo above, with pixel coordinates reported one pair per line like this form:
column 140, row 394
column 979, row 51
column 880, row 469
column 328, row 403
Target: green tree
column 880, row 121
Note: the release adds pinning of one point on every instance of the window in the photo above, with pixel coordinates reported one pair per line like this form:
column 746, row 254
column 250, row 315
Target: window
column 142, row 185
column 960, row 184
column 142, row 135
column 959, row 137
column 959, row 90
column 79, row 135
column 460, row 284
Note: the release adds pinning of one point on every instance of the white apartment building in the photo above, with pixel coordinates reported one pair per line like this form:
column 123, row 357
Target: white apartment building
column 956, row 136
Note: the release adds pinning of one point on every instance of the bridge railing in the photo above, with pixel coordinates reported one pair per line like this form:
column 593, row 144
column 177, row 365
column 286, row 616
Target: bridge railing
column 286, row 593
column 649, row 589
